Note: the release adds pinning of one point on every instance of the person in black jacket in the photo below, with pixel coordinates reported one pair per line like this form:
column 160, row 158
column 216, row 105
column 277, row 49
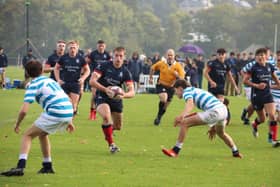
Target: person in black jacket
column 27, row 58
column 3, row 65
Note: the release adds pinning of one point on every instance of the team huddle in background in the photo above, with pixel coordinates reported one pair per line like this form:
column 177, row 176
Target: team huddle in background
column 73, row 72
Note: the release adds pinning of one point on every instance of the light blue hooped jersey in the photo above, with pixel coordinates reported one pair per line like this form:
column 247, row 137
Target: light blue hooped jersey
column 50, row 96
column 202, row 99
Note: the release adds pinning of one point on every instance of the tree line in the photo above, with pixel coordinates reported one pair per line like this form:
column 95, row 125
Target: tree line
column 146, row 26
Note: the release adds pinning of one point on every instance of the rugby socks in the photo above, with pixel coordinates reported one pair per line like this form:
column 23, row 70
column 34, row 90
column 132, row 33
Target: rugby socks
column 256, row 123
column 273, row 128
column 177, row 147
column 47, row 159
column 22, row 161
column 161, row 109
column 108, row 133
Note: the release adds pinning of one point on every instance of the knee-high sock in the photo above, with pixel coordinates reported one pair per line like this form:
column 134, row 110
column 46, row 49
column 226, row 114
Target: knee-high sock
column 161, row 109
column 108, row 133
column 273, row 128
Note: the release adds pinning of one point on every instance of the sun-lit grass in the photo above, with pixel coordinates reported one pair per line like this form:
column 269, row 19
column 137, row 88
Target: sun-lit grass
column 82, row 158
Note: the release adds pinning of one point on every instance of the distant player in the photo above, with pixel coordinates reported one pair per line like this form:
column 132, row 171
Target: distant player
column 54, row 58
column 105, row 75
column 72, row 65
column 57, row 115
column 258, row 77
column 214, row 113
column 96, row 57
column 275, row 90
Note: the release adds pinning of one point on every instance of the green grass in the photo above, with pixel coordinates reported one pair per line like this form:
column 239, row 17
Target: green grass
column 82, row 158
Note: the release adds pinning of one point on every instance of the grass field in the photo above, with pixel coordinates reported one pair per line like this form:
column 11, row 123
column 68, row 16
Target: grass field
column 83, row 159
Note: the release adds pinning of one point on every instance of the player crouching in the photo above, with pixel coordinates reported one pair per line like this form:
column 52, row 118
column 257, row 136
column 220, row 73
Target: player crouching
column 214, row 114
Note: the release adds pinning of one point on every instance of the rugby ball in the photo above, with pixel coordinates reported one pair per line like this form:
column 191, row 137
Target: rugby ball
column 116, row 91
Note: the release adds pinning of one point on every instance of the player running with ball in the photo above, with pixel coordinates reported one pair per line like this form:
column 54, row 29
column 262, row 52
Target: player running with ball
column 105, row 76
column 214, row 114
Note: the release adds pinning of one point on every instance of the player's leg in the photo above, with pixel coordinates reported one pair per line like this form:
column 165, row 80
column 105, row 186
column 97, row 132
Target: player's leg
column 220, row 130
column 104, row 111
column 92, row 115
column 270, row 109
column 117, row 118
column 74, row 97
column 161, row 107
column 189, row 121
column 259, row 119
column 46, row 151
column 26, row 141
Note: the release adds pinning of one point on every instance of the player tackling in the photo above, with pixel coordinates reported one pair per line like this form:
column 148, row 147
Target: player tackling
column 214, row 113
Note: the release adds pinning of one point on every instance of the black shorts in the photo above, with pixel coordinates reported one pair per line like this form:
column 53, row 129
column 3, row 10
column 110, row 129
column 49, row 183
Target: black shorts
column 164, row 89
column 71, row 87
column 219, row 90
column 115, row 105
column 259, row 101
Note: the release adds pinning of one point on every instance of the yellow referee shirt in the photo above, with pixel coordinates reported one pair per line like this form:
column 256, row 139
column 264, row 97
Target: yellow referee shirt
column 168, row 73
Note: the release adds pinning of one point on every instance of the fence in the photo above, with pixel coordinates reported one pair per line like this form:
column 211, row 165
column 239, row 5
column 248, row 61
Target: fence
column 145, row 86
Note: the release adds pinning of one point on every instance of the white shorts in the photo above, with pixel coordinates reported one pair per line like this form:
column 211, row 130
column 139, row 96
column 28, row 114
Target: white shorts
column 248, row 93
column 2, row 70
column 217, row 116
column 52, row 124
column 277, row 103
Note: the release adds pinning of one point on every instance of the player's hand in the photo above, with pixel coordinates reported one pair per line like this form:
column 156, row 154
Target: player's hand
column 60, row 82
column 119, row 96
column 211, row 133
column 16, row 129
column 110, row 92
column 70, row 128
column 81, row 81
column 261, row 85
column 213, row 84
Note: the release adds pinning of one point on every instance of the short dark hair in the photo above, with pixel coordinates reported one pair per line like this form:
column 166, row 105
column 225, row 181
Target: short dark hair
column 1, row 47
column 232, row 53
column 260, row 51
column 181, row 83
column 100, row 42
column 61, row 41
column 221, row 51
column 29, row 50
column 120, row 48
column 278, row 52
column 34, row 68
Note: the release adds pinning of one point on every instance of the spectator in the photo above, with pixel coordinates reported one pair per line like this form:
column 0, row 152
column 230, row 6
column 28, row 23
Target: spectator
column 147, row 66
column 135, row 67
column 229, row 87
column 25, row 60
column 200, row 68
column 3, row 65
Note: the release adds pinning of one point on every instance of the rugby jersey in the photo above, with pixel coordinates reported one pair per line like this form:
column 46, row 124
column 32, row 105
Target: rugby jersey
column 202, row 99
column 50, row 96
column 276, row 92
